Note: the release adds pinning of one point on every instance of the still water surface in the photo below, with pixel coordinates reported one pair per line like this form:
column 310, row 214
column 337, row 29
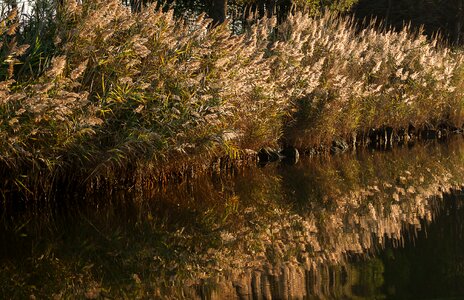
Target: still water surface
column 366, row 225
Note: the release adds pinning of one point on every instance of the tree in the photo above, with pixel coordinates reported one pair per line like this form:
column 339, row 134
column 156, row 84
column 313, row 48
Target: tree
column 218, row 11
column 136, row 5
column 459, row 21
column 435, row 16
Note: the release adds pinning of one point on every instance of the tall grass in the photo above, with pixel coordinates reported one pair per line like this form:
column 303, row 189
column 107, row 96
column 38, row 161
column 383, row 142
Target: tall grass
column 125, row 90
column 343, row 81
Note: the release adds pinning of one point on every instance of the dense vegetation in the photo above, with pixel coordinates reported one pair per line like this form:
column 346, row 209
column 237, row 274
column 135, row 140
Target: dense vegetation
column 104, row 90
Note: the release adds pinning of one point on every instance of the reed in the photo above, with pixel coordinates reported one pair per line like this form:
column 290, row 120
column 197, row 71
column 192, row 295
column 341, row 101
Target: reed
column 125, row 90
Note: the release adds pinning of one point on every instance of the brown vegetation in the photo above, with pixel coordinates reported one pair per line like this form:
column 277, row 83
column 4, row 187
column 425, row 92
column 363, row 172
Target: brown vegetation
column 126, row 90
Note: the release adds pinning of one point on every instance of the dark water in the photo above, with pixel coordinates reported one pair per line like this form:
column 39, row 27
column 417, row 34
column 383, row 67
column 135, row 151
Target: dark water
column 370, row 225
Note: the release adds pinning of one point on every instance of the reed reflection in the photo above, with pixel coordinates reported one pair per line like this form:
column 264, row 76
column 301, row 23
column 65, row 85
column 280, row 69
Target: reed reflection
column 314, row 230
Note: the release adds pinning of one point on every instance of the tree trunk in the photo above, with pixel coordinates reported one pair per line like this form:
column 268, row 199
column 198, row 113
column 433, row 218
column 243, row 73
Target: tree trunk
column 218, row 11
column 459, row 21
column 136, row 5
column 388, row 12
column 283, row 9
column 261, row 9
column 270, row 7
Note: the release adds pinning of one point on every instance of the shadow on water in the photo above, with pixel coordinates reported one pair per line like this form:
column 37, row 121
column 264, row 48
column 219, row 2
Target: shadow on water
column 370, row 225
column 432, row 265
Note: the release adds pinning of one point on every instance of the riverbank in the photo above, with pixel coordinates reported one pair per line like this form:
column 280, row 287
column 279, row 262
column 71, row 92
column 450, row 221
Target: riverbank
column 124, row 92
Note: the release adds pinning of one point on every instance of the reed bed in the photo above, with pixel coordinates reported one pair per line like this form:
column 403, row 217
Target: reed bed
column 125, row 91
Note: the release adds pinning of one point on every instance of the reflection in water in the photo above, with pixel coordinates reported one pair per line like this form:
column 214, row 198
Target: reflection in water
column 433, row 266
column 326, row 228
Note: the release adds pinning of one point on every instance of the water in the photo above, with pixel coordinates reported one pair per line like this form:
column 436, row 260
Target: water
column 370, row 225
